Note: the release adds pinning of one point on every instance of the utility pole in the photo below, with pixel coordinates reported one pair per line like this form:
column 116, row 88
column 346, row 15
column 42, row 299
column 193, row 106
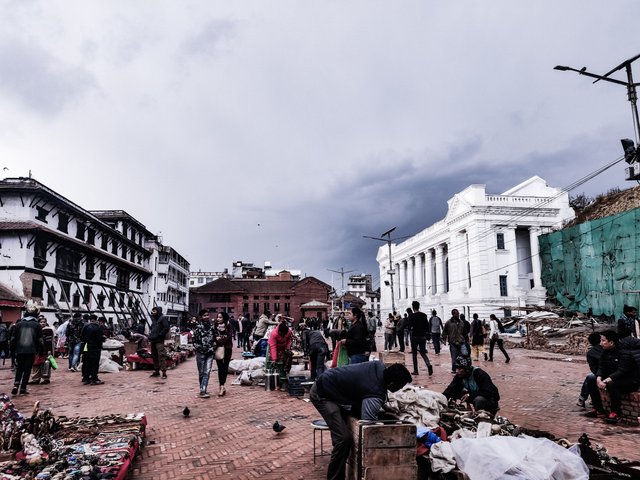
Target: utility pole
column 631, row 148
column 390, row 272
column 342, row 272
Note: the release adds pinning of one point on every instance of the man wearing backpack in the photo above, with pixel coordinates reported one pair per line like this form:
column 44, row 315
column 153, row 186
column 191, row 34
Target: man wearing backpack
column 496, row 328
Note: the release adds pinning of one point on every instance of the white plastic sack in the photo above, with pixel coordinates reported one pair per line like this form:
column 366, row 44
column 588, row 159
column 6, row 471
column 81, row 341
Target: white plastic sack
column 108, row 366
column 237, row 366
column 442, row 457
column 112, row 344
column 517, row 458
column 417, row 405
column 245, row 378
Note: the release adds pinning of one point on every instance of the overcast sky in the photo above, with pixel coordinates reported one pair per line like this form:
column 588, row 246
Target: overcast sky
column 283, row 131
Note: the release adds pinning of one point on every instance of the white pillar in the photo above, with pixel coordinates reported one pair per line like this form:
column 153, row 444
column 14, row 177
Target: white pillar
column 439, row 280
column 419, row 275
column 535, row 256
column 513, row 278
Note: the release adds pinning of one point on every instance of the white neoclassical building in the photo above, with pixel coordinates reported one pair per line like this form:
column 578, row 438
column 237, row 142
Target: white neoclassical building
column 481, row 258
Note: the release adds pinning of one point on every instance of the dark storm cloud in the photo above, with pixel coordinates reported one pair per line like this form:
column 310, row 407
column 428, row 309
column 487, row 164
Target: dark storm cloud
column 36, row 79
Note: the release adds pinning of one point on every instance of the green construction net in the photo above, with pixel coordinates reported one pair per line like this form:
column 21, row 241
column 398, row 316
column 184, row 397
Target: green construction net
column 595, row 264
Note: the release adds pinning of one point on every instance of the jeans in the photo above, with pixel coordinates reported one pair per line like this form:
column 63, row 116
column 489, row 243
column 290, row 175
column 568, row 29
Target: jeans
column 74, row 354
column 419, row 343
column 317, row 356
column 435, row 338
column 456, row 350
column 341, row 437
column 358, row 358
column 388, row 341
column 584, row 391
column 204, row 362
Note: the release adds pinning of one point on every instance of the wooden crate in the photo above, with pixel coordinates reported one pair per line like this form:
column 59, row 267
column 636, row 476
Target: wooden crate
column 382, row 450
column 390, row 358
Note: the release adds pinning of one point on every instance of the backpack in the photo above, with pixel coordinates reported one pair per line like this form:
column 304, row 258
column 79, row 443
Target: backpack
column 500, row 326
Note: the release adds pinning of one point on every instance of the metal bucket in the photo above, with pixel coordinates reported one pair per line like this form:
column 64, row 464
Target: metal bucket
column 271, row 380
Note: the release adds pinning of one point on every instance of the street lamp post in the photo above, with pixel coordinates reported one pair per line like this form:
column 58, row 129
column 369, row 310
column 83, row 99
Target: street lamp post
column 390, row 272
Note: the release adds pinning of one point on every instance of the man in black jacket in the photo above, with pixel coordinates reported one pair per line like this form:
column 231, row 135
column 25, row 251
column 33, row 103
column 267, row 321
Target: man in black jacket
column 317, row 349
column 26, row 342
column 473, row 386
column 618, row 373
column 159, row 330
column 362, row 387
column 92, row 337
column 357, row 342
column 419, row 325
column 593, row 359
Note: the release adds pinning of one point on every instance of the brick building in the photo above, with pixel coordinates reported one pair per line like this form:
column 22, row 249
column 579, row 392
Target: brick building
column 253, row 296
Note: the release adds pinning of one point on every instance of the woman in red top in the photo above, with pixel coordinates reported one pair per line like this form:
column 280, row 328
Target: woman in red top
column 280, row 348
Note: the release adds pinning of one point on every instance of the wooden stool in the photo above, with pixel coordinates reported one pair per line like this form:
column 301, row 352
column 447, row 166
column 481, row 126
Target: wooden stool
column 319, row 426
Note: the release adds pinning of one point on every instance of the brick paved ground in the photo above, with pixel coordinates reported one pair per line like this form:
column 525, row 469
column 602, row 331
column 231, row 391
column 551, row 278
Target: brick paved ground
column 231, row 437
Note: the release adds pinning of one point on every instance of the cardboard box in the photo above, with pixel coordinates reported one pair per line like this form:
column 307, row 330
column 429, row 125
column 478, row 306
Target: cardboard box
column 389, row 358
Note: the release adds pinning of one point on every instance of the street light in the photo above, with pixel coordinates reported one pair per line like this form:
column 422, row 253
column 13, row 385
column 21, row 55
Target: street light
column 388, row 241
column 631, row 153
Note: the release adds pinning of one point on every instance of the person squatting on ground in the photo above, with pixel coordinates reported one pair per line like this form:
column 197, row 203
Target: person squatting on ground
column 495, row 330
column 419, row 332
column 477, row 338
column 157, row 335
column 456, row 333
column 357, row 341
column 26, row 342
column 223, row 338
column 317, row 351
column 435, row 327
column 618, row 373
column 41, row 370
column 92, row 337
column 593, row 359
column 205, row 348
column 473, row 386
column 362, row 387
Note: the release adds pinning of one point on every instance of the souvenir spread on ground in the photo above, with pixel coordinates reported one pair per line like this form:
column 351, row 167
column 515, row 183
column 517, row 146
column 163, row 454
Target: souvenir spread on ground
column 42, row 446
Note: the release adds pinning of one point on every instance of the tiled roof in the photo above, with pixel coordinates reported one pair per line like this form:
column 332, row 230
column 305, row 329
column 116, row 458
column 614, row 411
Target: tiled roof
column 17, row 225
column 253, row 286
column 315, row 304
column 9, row 294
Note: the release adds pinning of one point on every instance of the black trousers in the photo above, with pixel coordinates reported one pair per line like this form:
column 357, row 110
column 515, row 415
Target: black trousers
column 419, row 345
column 24, row 363
column 500, row 343
column 615, row 389
column 90, row 365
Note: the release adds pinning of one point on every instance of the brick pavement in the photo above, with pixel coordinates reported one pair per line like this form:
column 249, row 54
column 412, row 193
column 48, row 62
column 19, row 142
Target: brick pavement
column 231, row 437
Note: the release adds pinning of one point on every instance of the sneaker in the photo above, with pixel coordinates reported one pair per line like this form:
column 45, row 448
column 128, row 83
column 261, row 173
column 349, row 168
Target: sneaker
column 97, row 382
column 581, row 402
column 14, row 391
column 155, row 374
column 430, row 368
column 73, row 369
column 595, row 414
column 46, row 382
column 164, row 375
column 414, row 373
column 204, row 395
column 612, row 418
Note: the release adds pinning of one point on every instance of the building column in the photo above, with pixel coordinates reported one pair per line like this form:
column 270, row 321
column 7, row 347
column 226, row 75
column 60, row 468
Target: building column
column 397, row 280
column 419, row 275
column 513, row 277
column 439, row 280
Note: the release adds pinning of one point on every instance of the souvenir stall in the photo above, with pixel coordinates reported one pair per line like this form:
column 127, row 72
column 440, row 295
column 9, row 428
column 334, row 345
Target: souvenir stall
column 43, row 446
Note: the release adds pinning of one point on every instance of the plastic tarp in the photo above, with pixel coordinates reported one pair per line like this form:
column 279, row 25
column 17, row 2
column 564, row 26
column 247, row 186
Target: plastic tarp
column 517, row 458
column 593, row 264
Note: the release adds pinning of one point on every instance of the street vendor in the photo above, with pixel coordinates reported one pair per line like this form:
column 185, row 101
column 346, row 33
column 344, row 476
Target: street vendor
column 473, row 386
column 362, row 387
